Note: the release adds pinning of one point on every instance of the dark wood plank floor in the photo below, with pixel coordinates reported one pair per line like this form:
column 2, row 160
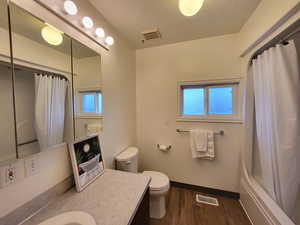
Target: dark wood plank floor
column 182, row 209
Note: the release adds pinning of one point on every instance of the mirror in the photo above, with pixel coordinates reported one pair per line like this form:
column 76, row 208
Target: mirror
column 43, row 88
column 41, row 109
column 7, row 129
column 87, row 91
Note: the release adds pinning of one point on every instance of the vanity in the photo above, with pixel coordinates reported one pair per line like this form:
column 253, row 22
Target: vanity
column 115, row 198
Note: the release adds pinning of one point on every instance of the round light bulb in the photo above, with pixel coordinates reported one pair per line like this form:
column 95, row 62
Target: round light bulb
column 70, row 8
column 87, row 22
column 52, row 35
column 109, row 40
column 190, row 7
column 100, row 32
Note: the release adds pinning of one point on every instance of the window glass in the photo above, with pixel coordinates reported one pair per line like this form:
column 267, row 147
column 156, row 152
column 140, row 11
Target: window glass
column 99, row 103
column 88, row 103
column 220, row 100
column 193, row 101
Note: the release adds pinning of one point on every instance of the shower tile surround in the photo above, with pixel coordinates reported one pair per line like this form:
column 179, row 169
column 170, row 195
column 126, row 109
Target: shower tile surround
column 112, row 199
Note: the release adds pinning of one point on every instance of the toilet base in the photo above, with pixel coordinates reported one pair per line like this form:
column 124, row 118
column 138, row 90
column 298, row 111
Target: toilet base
column 157, row 206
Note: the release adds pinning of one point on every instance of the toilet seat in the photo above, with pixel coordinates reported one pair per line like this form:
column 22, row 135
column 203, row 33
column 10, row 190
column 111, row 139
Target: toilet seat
column 159, row 181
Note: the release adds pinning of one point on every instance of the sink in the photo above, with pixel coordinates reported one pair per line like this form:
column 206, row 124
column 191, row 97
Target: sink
column 71, row 218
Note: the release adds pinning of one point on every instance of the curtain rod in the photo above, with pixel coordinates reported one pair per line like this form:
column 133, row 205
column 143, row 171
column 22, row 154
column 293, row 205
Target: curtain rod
column 281, row 38
column 288, row 36
column 39, row 72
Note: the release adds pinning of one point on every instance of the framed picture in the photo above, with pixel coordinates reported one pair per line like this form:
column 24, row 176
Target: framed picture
column 87, row 161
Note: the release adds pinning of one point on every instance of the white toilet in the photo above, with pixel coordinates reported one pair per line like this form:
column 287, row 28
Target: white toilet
column 159, row 185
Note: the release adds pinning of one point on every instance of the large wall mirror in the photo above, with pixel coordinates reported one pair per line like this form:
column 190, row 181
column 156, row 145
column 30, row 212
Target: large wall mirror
column 87, row 91
column 53, row 96
column 7, row 128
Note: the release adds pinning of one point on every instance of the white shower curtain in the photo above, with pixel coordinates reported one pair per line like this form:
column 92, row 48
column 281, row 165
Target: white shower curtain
column 50, row 97
column 276, row 90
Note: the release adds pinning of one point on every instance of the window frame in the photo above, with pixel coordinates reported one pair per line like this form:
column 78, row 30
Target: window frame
column 235, row 117
column 79, row 94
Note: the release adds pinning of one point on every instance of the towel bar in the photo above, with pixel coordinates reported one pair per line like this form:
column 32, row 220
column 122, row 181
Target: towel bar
column 221, row 132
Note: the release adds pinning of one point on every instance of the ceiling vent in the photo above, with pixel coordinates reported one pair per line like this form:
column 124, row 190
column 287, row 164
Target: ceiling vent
column 151, row 34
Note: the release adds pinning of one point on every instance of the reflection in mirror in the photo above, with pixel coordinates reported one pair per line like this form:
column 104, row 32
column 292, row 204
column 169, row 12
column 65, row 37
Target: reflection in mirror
column 7, row 128
column 87, row 91
column 42, row 59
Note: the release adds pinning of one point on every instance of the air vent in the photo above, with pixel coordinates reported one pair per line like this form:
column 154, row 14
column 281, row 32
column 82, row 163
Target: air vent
column 206, row 200
column 151, row 34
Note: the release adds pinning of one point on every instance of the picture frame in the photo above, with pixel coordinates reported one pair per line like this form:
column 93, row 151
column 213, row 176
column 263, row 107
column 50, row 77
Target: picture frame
column 87, row 161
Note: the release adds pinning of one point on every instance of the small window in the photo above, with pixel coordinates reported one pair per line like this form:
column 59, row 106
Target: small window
column 209, row 101
column 193, row 101
column 220, row 100
column 89, row 103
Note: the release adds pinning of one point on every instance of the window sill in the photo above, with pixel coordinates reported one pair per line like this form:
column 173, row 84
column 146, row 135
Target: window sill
column 209, row 120
column 89, row 117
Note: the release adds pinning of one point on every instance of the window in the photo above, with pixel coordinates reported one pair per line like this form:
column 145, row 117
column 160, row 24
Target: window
column 209, row 101
column 89, row 103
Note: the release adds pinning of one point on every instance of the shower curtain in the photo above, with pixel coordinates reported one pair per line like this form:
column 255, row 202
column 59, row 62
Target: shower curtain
column 276, row 86
column 50, row 97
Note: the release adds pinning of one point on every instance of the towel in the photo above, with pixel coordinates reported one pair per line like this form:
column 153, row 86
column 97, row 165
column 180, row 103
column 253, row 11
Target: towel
column 202, row 144
column 198, row 139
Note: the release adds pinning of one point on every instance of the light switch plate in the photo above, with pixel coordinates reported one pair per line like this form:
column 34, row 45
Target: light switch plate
column 32, row 165
column 8, row 174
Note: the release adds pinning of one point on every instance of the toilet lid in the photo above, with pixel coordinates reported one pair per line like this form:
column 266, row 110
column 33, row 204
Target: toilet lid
column 158, row 180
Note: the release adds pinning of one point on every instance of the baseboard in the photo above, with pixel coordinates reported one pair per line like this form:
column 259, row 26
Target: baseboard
column 207, row 190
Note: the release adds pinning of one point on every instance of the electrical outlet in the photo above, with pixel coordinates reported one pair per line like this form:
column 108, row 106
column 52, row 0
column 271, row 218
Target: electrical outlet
column 8, row 175
column 31, row 165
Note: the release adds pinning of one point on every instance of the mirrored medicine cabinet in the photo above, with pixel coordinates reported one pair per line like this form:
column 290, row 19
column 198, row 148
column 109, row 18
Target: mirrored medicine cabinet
column 50, row 86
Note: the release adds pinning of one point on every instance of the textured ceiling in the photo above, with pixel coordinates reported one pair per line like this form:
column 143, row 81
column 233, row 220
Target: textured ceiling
column 217, row 17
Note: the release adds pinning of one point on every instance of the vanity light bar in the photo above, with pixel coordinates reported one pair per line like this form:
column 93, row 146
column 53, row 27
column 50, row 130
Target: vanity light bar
column 71, row 9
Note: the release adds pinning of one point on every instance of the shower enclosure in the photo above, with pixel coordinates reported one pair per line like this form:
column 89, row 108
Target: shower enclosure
column 273, row 125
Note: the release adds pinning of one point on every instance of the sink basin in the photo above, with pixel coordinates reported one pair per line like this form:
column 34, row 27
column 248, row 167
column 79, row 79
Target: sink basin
column 71, row 218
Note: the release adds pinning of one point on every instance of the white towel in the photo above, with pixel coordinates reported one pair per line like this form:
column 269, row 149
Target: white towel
column 202, row 144
column 198, row 139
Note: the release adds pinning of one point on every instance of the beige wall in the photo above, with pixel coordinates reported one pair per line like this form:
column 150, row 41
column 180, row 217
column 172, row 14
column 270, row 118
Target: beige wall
column 158, row 71
column 118, row 69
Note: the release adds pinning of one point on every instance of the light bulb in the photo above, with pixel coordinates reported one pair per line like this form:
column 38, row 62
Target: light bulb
column 70, row 8
column 52, row 35
column 99, row 32
column 109, row 40
column 87, row 22
column 190, row 7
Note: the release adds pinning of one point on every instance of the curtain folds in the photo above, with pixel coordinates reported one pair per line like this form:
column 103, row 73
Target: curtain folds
column 50, row 97
column 277, row 114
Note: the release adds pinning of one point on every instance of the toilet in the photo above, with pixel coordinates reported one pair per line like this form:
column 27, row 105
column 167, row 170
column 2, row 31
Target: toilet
column 159, row 184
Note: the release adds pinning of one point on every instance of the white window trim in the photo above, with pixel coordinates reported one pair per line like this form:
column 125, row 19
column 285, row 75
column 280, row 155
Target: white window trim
column 78, row 102
column 213, row 118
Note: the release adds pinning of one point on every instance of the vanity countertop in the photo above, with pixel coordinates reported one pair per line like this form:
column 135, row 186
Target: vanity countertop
column 112, row 199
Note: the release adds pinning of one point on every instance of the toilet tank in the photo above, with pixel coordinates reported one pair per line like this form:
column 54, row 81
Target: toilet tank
column 128, row 160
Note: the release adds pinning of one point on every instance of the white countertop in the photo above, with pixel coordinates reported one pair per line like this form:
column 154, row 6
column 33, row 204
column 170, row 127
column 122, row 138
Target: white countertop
column 112, row 199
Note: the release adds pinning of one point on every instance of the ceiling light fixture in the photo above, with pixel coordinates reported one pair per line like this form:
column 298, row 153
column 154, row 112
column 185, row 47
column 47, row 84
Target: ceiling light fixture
column 87, row 22
column 100, row 32
column 70, row 8
column 109, row 40
column 52, row 35
column 190, row 7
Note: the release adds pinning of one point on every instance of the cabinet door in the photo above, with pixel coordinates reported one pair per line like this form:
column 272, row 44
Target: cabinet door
column 7, row 120
column 142, row 216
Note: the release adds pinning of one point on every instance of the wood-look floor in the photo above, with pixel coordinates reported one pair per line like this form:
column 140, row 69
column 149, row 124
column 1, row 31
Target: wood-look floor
column 182, row 209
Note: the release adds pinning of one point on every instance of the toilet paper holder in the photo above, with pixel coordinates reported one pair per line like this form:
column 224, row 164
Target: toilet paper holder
column 163, row 148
